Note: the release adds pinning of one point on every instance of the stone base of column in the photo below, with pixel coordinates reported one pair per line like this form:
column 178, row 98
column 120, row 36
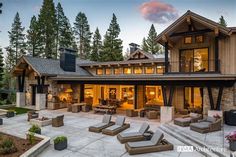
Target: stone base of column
column 20, row 99
column 167, row 114
column 40, row 101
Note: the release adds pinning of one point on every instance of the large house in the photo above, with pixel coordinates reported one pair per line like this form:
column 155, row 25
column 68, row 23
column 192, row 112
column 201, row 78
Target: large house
column 197, row 71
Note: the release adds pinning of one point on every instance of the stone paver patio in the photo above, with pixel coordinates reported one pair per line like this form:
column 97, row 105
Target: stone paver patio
column 86, row 144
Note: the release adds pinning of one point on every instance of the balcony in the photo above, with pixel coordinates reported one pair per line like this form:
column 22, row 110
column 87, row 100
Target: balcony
column 194, row 66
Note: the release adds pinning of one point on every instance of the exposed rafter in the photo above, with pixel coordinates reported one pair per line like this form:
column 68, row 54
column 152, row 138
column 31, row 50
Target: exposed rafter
column 191, row 32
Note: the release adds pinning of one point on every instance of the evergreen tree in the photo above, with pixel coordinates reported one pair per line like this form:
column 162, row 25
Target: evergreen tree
column 10, row 60
column 222, row 21
column 96, row 47
column 1, row 67
column 144, row 45
column 47, row 23
column 82, row 31
column 112, row 45
column 153, row 46
column 34, row 45
column 17, row 38
column 65, row 37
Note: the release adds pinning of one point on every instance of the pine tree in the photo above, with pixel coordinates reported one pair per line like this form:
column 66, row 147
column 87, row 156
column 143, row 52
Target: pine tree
column 17, row 38
column 112, row 45
column 144, row 45
column 1, row 67
column 10, row 60
column 65, row 37
column 96, row 47
column 34, row 45
column 82, row 31
column 222, row 21
column 47, row 23
column 153, row 46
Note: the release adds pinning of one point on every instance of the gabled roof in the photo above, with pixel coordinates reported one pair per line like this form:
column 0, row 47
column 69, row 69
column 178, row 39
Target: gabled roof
column 51, row 67
column 137, row 52
column 200, row 19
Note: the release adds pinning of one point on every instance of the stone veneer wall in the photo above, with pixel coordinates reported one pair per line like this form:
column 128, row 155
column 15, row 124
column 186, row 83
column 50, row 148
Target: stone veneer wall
column 228, row 101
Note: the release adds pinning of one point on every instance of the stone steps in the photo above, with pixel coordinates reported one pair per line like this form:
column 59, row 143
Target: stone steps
column 189, row 141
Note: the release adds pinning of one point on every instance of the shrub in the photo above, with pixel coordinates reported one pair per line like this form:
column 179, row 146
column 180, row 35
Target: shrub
column 31, row 138
column 10, row 111
column 60, row 139
column 7, row 146
column 35, row 129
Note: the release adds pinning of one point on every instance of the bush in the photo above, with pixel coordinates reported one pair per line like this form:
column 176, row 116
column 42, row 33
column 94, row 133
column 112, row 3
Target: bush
column 3, row 102
column 7, row 146
column 10, row 111
column 60, row 139
column 35, row 129
column 31, row 138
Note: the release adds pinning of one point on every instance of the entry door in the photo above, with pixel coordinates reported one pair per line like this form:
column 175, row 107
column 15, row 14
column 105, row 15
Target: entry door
column 33, row 95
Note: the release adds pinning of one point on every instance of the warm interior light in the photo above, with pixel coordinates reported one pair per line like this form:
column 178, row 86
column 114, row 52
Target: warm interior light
column 152, row 93
column 69, row 90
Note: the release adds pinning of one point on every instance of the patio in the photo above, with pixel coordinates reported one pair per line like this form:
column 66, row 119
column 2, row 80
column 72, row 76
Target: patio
column 86, row 144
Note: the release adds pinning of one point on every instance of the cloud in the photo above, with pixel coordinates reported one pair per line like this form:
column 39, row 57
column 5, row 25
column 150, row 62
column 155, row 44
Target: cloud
column 158, row 12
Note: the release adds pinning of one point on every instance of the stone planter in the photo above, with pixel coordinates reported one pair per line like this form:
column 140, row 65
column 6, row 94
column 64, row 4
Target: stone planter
column 10, row 114
column 61, row 145
column 41, row 123
column 232, row 145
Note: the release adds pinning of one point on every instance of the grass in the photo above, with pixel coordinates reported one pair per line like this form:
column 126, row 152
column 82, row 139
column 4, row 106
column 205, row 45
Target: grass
column 18, row 110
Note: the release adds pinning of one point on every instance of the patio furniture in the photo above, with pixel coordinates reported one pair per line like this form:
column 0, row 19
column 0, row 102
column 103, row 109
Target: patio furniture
column 117, row 128
column 186, row 120
column 32, row 115
column 230, row 117
column 152, row 114
column 209, row 124
column 156, row 144
column 131, row 113
column 77, row 107
column 86, row 108
column 58, row 121
column 1, row 121
column 41, row 122
column 182, row 111
column 133, row 136
column 106, row 122
column 104, row 108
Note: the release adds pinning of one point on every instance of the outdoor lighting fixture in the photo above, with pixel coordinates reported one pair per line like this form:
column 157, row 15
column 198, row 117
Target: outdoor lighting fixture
column 69, row 90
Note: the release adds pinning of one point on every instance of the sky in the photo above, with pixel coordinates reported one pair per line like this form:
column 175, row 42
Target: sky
column 134, row 16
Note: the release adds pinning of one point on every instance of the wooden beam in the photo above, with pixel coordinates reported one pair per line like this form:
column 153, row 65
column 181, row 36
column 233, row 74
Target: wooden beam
column 135, row 96
column 211, row 98
column 191, row 32
column 216, row 31
column 166, row 57
column 188, row 20
column 81, row 92
column 218, row 103
column 217, row 69
column 171, row 96
column 163, row 88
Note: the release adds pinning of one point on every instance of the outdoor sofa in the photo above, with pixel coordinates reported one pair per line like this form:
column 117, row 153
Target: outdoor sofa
column 133, row 136
column 106, row 122
column 206, row 125
column 186, row 120
column 119, row 126
column 156, row 144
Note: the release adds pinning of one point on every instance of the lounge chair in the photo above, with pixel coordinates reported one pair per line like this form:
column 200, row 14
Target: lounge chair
column 106, row 122
column 209, row 124
column 119, row 126
column 133, row 136
column 156, row 144
column 58, row 121
column 186, row 120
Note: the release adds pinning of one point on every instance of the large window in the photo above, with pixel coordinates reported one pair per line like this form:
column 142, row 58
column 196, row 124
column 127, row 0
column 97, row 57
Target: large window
column 127, row 70
column 153, row 95
column 194, row 60
column 160, row 69
column 138, row 70
column 193, row 98
column 149, row 70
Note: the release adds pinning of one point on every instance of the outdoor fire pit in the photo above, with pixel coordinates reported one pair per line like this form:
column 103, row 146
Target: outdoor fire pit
column 44, row 121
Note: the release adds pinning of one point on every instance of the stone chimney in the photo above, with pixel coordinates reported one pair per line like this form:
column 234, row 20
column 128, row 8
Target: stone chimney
column 133, row 47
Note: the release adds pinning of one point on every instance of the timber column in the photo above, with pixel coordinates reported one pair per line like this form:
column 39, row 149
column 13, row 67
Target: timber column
column 20, row 94
column 40, row 96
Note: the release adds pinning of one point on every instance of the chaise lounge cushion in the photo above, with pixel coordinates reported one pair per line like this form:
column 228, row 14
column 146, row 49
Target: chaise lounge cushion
column 99, row 125
column 143, row 128
column 120, row 120
column 106, row 119
column 194, row 115
column 211, row 119
column 201, row 125
column 130, row 134
column 183, row 119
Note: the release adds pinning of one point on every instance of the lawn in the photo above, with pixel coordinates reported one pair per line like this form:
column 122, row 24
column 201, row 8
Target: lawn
column 18, row 110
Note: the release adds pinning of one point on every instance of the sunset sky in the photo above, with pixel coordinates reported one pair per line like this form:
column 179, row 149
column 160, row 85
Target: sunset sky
column 134, row 16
